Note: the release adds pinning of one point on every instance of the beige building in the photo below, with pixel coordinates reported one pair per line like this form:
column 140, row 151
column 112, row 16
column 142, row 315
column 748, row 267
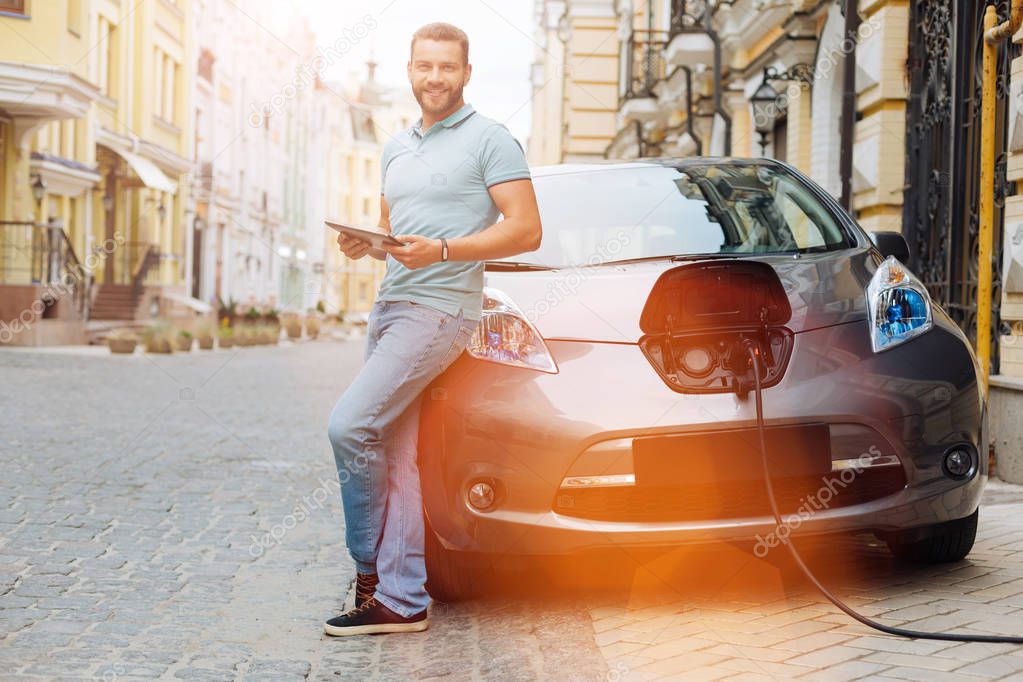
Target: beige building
column 362, row 117
column 95, row 135
column 574, row 80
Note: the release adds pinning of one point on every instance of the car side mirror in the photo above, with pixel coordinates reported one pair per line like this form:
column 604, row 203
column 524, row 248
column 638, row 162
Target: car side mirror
column 891, row 244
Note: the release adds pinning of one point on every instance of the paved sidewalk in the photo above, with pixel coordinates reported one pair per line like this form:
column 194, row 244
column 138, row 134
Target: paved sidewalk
column 178, row 518
column 721, row 614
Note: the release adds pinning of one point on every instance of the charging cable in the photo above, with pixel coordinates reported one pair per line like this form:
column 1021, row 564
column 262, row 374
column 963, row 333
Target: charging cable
column 901, row 632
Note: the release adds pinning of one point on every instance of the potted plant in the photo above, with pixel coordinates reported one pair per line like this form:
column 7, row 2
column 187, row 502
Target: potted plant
column 243, row 336
column 312, row 326
column 122, row 341
column 225, row 336
column 204, row 334
column 252, row 316
column 183, row 341
column 228, row 311
column 293, row 326
column 158, row 338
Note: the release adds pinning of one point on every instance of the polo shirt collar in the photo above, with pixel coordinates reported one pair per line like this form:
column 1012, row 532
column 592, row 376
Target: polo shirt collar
column 452, row 120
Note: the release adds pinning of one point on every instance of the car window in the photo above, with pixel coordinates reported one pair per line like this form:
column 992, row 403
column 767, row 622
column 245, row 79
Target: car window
column 646, row 211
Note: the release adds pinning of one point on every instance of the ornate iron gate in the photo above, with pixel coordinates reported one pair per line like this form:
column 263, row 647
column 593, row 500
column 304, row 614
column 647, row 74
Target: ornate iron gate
column 941, row 201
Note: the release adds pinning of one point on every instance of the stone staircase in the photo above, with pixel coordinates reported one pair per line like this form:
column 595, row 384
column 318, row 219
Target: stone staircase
column 116, row 302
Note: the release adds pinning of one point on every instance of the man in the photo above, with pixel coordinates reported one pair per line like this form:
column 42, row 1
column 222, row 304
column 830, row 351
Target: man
column 445, row 181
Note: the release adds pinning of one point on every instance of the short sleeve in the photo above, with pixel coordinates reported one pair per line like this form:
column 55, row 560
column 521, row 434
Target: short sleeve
column 385, row 159
column 501, row 157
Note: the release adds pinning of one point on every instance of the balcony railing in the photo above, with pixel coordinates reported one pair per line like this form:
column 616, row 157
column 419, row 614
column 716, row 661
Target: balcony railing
column 642, row 63
column 33, row 253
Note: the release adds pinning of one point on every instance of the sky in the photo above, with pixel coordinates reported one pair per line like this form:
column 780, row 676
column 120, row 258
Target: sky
column 501, row 47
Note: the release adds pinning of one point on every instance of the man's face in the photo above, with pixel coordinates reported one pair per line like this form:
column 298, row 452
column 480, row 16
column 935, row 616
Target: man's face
column 438, row 72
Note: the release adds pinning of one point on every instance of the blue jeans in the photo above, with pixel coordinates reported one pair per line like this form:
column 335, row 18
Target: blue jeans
column 374, row 431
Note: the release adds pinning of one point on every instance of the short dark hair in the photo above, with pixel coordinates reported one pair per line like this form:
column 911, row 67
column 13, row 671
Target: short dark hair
column 441, row 31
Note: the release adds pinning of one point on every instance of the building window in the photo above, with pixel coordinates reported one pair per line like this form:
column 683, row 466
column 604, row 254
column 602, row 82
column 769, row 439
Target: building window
column 363, row 292
column 206, row 60
column 367, row 170
column 365, row 207
column 105, row 56
column 74, row 17
column 19, row 7
column 165, row 74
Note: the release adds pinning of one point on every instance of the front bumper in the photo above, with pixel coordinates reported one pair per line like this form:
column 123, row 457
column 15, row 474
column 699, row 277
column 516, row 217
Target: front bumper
column 524, row 431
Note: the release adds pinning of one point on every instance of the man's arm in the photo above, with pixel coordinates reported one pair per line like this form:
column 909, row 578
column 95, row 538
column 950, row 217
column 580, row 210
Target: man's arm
column 355, row 248
column 520, row 231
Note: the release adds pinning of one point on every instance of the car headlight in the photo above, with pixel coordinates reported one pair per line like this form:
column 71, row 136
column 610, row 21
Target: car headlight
column 505, row 336
column 898, row 304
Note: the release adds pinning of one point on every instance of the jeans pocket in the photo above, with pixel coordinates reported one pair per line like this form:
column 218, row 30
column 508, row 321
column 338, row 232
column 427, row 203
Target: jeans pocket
column 461, row 339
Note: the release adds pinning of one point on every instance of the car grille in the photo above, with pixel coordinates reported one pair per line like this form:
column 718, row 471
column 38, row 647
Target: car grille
column 734, row 499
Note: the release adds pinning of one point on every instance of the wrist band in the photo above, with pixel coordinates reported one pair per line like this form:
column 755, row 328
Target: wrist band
column 443, row 249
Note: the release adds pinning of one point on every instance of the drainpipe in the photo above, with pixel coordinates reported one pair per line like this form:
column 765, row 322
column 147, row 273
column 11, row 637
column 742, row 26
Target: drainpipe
column 718, row 108
column 992, row 36
column 689, row 111
column 845, row 158
column 639, row 139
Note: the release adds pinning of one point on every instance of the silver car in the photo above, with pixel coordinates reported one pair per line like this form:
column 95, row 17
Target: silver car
column 605, row 401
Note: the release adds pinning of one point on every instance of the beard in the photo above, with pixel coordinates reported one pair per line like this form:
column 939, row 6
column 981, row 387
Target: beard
column 437, row 105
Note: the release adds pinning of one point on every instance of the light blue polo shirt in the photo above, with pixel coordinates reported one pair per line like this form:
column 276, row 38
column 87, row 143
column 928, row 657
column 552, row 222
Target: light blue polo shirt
column 436, row 185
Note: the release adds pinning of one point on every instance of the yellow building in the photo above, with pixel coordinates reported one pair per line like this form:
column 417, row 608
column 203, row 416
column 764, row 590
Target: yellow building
column 574, row 80
column 361, row 123
column 95, row 135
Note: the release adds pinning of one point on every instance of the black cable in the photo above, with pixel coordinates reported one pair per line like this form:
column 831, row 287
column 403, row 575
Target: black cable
column 901, row 632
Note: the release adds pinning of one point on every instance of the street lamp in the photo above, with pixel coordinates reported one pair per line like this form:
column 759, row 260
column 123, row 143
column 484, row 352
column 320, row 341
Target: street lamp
column 765, row 110
column 161, row 210
column 38, row 187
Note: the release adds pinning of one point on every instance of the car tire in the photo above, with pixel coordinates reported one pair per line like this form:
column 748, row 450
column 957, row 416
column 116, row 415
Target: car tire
column 944, row 542
column 452, row 576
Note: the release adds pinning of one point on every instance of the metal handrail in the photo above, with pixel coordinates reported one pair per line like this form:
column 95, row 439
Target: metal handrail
column 42, row 253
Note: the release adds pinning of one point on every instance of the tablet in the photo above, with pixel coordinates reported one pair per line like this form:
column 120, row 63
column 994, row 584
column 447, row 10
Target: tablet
column 375, row 236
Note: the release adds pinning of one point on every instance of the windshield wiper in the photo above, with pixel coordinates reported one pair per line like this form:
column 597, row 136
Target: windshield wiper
column 670, row 257
column 512, row 266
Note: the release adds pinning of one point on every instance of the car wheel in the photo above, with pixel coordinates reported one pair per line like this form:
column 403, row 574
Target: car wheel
column 452, row 576
column 945, row 542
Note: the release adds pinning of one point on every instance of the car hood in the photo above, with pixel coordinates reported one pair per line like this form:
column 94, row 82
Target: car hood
column 603, row 303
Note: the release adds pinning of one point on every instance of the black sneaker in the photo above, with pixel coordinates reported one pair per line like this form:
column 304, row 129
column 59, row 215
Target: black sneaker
column 365, row 587
column 374, row 618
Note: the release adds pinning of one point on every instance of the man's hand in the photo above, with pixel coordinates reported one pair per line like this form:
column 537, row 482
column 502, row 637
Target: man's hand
column 418, row 251
column 353, row 247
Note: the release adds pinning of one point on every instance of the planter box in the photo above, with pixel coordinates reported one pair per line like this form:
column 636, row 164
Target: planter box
column 122, row 346
column 206, row 343
column 183, row 344
column 159, row 346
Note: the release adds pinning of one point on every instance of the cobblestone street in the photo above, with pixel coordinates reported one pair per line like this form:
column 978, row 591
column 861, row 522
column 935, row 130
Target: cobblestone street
column 177, row 517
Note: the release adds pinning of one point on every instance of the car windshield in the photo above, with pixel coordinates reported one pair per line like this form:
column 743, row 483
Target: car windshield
column 640, row 212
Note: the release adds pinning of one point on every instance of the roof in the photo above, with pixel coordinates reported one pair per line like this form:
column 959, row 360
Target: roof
column 672, row 162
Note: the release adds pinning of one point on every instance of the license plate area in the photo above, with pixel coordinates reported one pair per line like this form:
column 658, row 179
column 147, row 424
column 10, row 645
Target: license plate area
column 732, row 455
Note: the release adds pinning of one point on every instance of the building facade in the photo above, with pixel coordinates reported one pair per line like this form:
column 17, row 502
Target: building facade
column 95, row 137
column 363, row 117
column 574, row 80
